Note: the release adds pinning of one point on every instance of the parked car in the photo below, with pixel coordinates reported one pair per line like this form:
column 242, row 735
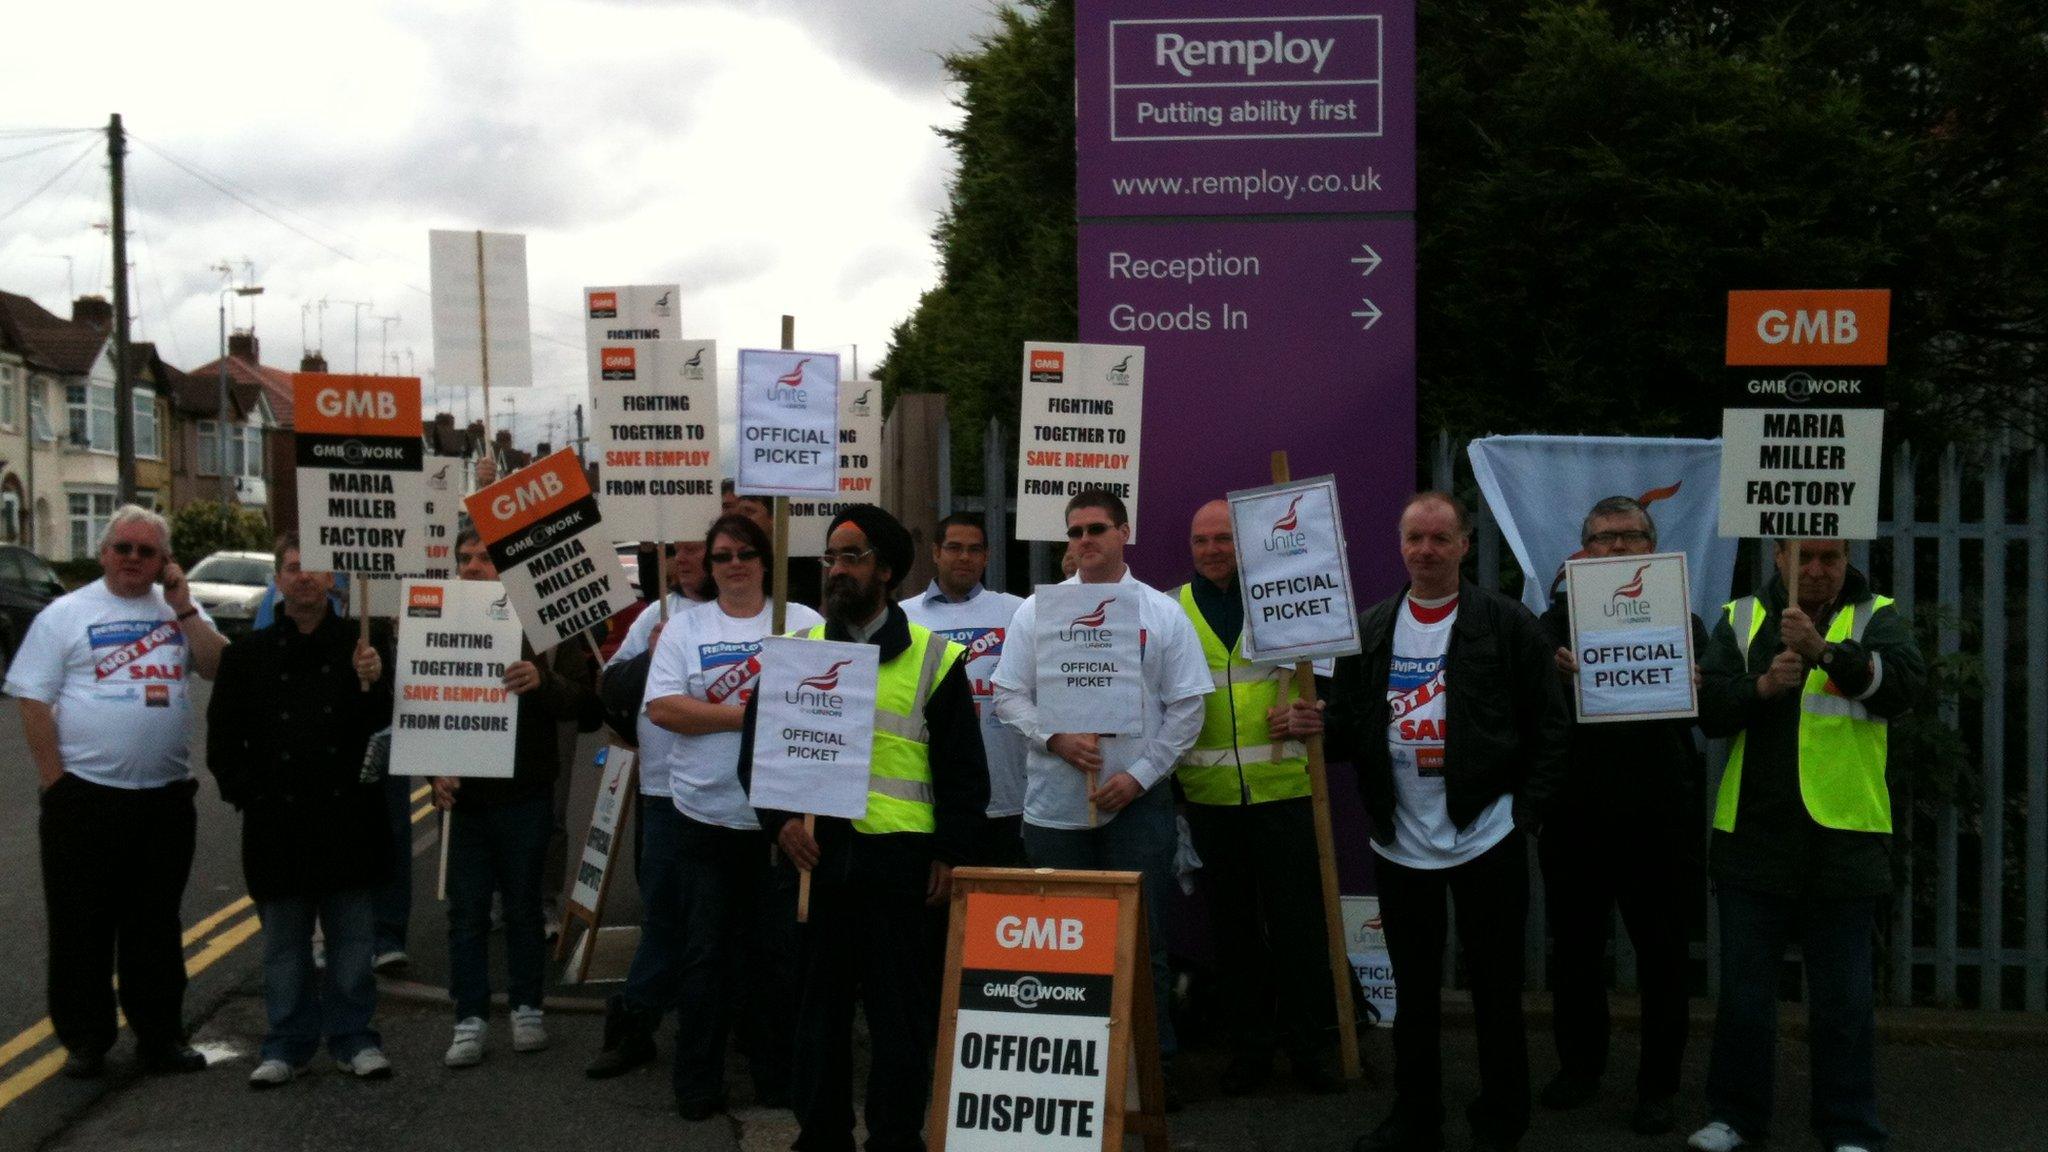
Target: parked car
column 26, row 584
column 230, row 586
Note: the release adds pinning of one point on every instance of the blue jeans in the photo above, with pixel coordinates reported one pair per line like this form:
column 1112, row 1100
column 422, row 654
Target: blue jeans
column 1835, row 941
column 500, row 848
column 650, row 989
column 304, row 1004
column 393, row 901
column 1142, row 838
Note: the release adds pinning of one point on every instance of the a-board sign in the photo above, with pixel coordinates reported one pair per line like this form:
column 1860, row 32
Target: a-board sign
column 1802, row 421
column 1089, row 655
column 654, row 429
column 362, row 495
column 1293, row 573
column 452, row 714
column 593, row 869
column 478, row 282
column 860, row 467
column 815, row 725
column 788, row 424
column 553, row 552
column 1632, row 636
column 630, row 312
column 1046, row 1013
column 1083, row 409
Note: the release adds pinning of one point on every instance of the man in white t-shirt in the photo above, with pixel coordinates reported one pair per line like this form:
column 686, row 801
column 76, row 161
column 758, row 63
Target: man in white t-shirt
column 1136, row 829
column 1453, row 716
column 957, row 607
column 101, row 677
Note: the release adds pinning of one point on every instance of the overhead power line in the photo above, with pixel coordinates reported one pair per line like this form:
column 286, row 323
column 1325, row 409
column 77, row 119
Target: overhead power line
column 45, row 185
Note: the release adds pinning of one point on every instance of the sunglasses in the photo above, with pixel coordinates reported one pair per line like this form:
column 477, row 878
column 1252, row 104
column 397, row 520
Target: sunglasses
column 1094, row 528
column 744, row 556
column 145, row 551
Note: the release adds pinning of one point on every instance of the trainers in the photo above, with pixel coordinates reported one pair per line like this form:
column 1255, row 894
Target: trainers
column 1850, row 1148
column 529, row 1034
column 368, row 1064
column 270, row 1074
column 467, row 1049
column 385, row 963
column 1717, row 1137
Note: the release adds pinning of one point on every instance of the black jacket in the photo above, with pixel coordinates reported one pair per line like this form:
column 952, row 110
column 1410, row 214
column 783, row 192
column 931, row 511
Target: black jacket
column 1505, row 721
column 567, row 694
column 959, row 766
column 285, row 732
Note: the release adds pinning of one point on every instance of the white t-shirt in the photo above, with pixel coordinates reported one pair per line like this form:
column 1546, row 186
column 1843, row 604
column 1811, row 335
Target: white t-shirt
column 707, row 655
column 114, row 671
column 1176, row 679
column 1417, row 692
column 980, row 625
column 654, row 739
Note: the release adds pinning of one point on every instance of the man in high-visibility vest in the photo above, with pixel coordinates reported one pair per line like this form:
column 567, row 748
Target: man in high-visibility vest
column 1801, row 843
column 875, row 881
column 1246, row 783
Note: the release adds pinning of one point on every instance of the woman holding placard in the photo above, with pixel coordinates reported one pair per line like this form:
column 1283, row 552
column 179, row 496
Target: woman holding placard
column 705, row 666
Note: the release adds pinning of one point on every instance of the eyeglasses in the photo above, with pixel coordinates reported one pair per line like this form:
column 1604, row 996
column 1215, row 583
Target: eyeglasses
column 1092, row 528
column 1609, row 539
column 124, row 548
column 956, row 548
column 848, row 556
column 744, row 556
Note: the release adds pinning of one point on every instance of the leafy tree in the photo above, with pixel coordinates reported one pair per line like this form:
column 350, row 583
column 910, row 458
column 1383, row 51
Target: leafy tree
column 204, row 527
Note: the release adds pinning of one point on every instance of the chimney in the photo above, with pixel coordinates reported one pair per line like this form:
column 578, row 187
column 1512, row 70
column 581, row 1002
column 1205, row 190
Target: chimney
column 313, row 362
column 445, row 421
column 243, row 346
column 504, row 439
column 540, row 450
column 93, row 310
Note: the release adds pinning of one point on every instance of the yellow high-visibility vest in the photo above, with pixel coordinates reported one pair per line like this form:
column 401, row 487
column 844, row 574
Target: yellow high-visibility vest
column 900, row 795
column 1234, row 760
column 1841, row 745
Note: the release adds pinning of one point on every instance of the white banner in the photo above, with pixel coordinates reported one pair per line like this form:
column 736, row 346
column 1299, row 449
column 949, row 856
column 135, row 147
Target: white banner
column 1292, row 572
column 814, row 726
column 1090, row 658
column 600, row 843
column 654, row 432
column 1632, row 635
column 788, row 424
column 1541, row 487
column 452, row 714
column 472, row 296
column 860, row 467
column 1083, row 409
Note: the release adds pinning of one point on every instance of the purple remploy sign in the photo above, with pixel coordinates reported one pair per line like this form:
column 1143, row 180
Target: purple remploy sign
column 1202, row 108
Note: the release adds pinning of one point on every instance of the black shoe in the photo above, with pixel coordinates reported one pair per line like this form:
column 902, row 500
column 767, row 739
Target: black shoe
column 1315, row 1077
column 631, row 1052
column 1566, row 1091
column 1653, row 1116
column 1395, row 1135
column 170, row 1059
column 704, row 1109
column 85, row 1065
column 1245, row 1074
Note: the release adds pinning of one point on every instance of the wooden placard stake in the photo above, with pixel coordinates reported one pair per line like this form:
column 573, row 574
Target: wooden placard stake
column 441, row 881
column 362, row 584
column 779, row 621
column 1326, row 856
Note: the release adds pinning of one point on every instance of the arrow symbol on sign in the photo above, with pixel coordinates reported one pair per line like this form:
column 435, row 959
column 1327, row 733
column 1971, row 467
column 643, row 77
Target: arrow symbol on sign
column 1371, row 260
column 1370, row 313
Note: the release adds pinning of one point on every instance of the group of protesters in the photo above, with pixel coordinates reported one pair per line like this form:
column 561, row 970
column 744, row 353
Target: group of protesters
column 967, row 769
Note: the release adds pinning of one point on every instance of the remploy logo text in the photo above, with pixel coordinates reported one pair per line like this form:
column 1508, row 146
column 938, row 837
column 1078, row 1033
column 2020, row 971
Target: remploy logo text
column 1185, row 55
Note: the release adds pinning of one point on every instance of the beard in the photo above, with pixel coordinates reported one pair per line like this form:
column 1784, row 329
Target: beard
column 850, row 601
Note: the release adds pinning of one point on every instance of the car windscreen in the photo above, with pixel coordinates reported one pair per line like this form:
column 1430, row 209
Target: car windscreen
column 232, row 570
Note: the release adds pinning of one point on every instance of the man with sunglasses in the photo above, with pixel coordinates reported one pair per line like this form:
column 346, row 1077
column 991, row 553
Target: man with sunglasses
column 102, row 678
column 1134, row 828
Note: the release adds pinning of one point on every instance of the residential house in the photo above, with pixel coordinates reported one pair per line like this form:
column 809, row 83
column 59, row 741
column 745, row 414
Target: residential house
column 262, row 457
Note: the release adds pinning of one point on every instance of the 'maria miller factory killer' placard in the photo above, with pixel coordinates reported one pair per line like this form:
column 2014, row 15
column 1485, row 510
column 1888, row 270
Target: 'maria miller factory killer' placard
column 362, row 492
column 553, row 553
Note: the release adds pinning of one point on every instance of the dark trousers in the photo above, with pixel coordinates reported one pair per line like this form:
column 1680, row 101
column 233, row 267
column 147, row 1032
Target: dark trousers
column 866, row 942
column 1002, row 843
column 115, row 862
column 650, row 989
column 393, row 901
column 1834, row 938
column 718, row 879
column 773, row 976
column 496, row 848
column 1491, row 896
column 1586, row 875
column 1263, row 887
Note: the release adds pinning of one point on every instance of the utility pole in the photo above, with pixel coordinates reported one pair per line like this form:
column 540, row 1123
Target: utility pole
column 384, row 344
column 124, row 385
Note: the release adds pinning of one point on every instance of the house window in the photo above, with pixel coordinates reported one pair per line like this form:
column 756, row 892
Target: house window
column 209, row 448
column 91, row 411
column 90, row 514
column 145, row 425
column 10, row 404
column 245, row 450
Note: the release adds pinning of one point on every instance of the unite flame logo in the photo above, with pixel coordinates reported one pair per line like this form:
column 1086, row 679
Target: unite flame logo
column 1088, row 629
column 788, row 388
column 1094, row 619
column 1287, row 538
column 1119, row 373
column 824, row 681
column 693, row 368
column 1634, row 587
column 817, row 695
column 1626, row 603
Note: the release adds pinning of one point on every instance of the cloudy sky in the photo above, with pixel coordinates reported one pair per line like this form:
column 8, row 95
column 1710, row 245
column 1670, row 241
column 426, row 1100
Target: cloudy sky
column 771, row 156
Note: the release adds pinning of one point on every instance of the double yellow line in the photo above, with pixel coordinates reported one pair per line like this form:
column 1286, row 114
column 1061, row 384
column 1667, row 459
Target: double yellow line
column 211, row 948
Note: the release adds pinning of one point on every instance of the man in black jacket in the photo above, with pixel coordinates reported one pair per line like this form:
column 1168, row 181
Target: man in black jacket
column 292, row 709
column 1624, row 833
column 873, row 892
column 1450, row 804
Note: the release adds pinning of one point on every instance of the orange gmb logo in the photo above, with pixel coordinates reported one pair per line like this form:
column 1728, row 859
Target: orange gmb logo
column 616, row 363
column 356, row 405
column 1040, row 933
column 425, row 596
column 1814, row 326
column 528, row 496
column 604, row 305
column 1048, row 366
